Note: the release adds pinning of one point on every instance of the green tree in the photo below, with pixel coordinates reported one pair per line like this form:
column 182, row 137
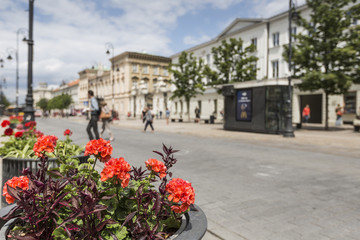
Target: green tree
column 60, row 102
column 233, row 62
column 4, row 101
column 43, row 104
column 324, row 55
column 187, row 74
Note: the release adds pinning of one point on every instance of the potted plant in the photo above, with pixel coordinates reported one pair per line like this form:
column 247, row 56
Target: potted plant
column 122, row 202
column 17, row 151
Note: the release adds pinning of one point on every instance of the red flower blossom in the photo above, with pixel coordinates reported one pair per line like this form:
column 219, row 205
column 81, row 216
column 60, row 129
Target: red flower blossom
column 30, row 124
column 9, row 132
column 38, row 133
column 19, row 134
column 44, row 143
column 20, row 126
column 116, row 167
column 156, row 166
column 21, row 182
column 180, row 191
column 5, row 123
column 67, row 132
column 99, row 148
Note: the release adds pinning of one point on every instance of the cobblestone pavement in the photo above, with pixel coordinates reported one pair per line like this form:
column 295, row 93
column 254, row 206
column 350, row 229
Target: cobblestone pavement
column 255, row 186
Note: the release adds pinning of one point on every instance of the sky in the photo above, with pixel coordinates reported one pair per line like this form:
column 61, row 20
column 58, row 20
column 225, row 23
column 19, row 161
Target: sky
column 72, row 35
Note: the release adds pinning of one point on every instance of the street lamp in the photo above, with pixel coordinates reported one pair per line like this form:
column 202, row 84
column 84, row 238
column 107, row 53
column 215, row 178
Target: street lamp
column 2, row 104
column 289, row 132
column 1, row 60
column 16, row 52
column 109, row 47
column 29, row 110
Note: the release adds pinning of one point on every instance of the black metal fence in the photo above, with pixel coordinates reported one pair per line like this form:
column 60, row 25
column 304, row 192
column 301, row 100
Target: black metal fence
column 12, row 167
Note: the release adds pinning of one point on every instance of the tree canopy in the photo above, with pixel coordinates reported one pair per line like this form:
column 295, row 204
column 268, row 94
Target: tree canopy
column 233, row 62
column 326, row 55
column 187, row 74
column 43, row 104
column 61, row 102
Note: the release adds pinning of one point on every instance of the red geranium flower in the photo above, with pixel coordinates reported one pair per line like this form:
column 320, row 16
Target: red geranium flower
column 116, row 167
column 21, row 182
column 5, row 123
column 44, row 143
column 67, row 132
column 180, row 191
column 99, row 148
column 9, row 132
column 19, row 134
column 30, row 124
column 156, row 166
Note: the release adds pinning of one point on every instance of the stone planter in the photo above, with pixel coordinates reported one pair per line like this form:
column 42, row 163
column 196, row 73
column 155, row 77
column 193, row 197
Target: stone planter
column 12, row 167
column 193, row 226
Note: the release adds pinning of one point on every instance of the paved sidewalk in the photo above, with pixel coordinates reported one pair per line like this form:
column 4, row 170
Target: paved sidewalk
column 342, row 141
column 261, row 186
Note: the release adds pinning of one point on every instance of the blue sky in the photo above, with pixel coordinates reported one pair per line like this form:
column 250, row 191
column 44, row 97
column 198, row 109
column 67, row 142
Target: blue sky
column 70, row 35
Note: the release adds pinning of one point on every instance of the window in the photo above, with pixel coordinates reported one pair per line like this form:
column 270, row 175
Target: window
column 354, row 21
column 156, row 70
column 134, row 68
column 145, row 69
column 176, row 107
column 275, row 68
column 276, row 38
column 166, row 73
column 293, row 32
column 254, row 42
column 208, row 59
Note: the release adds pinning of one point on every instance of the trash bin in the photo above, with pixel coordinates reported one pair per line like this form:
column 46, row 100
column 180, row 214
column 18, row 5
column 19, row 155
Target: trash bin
column 212, row 119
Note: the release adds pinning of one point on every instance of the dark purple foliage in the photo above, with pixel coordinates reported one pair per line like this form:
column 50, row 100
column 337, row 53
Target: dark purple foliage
column 45, row 202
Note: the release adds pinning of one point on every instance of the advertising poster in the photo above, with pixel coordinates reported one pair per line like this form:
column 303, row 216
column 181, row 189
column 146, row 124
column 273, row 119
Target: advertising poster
column 243, row 105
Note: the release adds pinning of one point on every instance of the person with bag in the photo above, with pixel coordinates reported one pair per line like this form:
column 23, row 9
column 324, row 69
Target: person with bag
column 105, row 117
column 339, row 114
column 149, row 117
column 94, row 112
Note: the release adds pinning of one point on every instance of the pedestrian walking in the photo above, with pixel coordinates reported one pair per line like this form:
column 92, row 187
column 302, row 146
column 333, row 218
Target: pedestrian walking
column 143, row 113
column 339, row 113
column 306, row 113
column 197, row 115
column 94, row 113
column 105, row 117
column 167, row 115
column 149, row 117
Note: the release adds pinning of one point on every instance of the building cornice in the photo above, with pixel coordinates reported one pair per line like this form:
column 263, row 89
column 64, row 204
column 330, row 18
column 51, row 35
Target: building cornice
column 140, row 56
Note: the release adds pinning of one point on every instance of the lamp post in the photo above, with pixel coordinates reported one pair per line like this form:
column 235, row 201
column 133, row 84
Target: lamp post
column 1, row 60
column 29, row 110
column 2, row 105
column 16, row 52
column 289, row 132
column 109, row 47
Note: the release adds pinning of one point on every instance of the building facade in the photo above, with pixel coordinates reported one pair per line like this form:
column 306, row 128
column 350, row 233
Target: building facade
column 136, row 80
column 269, row 37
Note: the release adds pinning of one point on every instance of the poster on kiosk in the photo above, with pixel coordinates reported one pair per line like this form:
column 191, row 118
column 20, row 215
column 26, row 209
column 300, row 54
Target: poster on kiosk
column 244, row 105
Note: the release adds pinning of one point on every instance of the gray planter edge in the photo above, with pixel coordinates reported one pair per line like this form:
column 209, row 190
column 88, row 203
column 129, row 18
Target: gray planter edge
column 193, row 226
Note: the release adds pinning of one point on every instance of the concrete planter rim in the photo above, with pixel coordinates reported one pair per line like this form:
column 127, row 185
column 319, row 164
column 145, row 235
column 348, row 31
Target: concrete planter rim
column 193, row 225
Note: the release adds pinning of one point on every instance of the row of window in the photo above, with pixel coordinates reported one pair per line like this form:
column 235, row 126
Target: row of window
column 146, row 69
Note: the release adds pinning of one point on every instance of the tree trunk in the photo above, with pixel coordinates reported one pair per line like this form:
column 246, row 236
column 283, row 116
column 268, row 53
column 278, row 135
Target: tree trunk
column 326, row 111
column 188, row 108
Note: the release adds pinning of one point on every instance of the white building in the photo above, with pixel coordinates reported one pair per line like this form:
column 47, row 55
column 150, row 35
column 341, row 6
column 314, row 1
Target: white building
column 269, row 35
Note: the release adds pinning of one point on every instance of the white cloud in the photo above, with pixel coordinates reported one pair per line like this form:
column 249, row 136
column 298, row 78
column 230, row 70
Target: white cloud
column 269, row 8
column 191, row 40
column 70, row 35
